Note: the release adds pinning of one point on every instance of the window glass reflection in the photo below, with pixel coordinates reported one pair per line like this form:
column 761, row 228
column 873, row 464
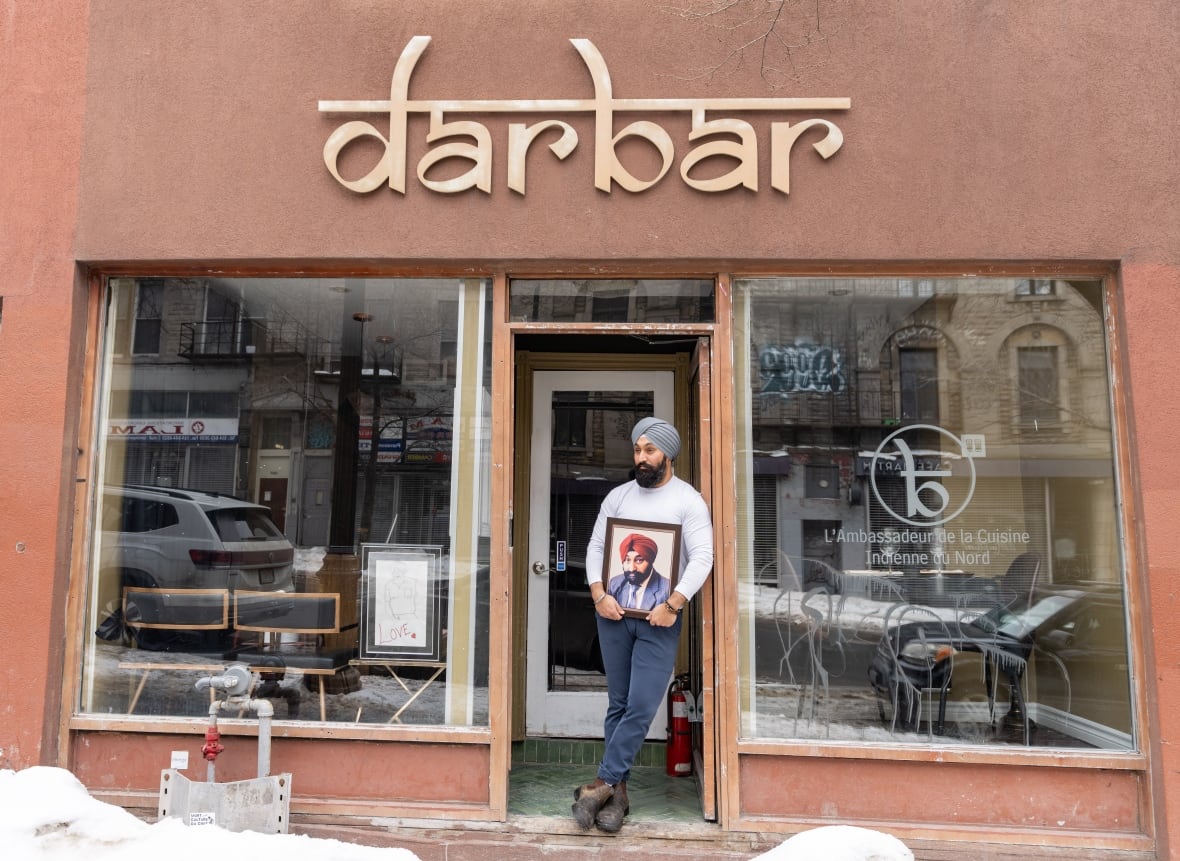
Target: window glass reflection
column 287, row 484
column 962, row 582
column 611, row 300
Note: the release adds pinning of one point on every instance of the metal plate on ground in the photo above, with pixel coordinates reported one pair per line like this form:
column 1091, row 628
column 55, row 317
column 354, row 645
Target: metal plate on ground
column 262, row 804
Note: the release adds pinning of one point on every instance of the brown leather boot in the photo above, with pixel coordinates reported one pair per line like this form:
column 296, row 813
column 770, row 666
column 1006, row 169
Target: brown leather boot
column 610, row 817
column 588, row 800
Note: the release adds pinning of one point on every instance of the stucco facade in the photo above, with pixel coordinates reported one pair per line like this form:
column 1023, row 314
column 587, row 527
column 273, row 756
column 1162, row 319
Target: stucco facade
column 979, row 139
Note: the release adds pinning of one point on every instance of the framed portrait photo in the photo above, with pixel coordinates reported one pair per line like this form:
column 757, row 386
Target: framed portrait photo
column 640, row 563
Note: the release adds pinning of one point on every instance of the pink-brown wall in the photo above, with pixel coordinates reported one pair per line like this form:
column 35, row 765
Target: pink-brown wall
column 1101, row 803
column 1151, row 299
column 440, row 774
column 42, row 78
column 977, row 131
column 161, row 130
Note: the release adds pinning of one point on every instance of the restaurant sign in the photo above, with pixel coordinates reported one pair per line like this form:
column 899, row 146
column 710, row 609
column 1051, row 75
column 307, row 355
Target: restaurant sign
column 469, row 141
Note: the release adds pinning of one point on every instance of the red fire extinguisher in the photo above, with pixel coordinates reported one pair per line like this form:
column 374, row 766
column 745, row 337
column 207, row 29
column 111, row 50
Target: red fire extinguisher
column 679, row 749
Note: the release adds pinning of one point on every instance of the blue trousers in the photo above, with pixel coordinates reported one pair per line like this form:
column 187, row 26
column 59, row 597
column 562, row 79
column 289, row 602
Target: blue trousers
column 639, row 660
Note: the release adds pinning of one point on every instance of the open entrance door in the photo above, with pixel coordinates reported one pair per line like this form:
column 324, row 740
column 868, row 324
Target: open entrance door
column 574, row 417
column 581, row 449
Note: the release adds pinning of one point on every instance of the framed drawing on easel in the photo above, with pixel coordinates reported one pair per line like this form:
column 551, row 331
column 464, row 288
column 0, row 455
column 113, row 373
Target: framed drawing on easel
column 401, row 602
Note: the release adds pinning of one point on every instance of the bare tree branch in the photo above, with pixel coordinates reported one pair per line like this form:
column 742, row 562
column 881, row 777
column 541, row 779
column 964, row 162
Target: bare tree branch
column 784, row 37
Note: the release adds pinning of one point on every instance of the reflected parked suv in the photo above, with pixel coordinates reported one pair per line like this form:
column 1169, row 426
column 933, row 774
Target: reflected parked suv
column 158, row 537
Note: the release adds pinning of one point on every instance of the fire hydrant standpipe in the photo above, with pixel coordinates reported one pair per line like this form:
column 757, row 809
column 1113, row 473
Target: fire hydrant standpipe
column 235, row 681
column 212, row 745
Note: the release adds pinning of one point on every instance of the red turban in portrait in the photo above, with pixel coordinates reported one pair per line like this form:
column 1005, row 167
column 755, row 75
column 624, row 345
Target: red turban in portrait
column 641, row 544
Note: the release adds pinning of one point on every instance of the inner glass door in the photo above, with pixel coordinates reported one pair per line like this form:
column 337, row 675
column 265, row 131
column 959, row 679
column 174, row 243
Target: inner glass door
column 581, row 449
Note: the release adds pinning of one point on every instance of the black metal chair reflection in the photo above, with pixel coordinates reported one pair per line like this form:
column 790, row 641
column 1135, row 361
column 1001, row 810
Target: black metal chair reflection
column 916, row 658
column 999, row 657
column 1015, row 592
column 914, row 662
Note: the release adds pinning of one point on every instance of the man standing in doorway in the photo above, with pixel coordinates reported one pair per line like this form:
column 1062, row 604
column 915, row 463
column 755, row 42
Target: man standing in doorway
column 639, row 654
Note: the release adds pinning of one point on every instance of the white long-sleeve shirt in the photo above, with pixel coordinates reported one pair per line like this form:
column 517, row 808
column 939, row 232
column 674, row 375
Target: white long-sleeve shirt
column 676, row 502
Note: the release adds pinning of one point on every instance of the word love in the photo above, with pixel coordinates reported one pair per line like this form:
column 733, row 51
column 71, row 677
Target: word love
column 395, row 634
column 469, row 141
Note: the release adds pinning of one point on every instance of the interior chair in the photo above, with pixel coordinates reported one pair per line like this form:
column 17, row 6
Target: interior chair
column 1017, row 588
column 932, row 672
column 287, row 631
column 170, row 629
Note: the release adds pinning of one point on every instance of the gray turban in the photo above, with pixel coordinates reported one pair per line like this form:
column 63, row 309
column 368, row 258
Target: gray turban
column 663, row 435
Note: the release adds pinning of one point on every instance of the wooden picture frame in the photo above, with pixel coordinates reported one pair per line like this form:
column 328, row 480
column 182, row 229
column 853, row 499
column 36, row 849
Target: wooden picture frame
column 656, row 549
column 402, row 594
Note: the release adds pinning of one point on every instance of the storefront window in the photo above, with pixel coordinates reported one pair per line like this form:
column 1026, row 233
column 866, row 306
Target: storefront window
column 611, row 300
column 929, row 547
column 294, row 477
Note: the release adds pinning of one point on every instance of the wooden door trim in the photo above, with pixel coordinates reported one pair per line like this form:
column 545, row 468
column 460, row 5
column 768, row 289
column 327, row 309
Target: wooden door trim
column 725, row 585
column 500, row 613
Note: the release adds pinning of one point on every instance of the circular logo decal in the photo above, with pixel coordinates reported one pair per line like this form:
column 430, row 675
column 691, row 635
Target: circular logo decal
column 927, row 499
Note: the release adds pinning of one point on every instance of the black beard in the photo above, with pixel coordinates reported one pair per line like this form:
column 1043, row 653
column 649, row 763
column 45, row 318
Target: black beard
column 646, row 476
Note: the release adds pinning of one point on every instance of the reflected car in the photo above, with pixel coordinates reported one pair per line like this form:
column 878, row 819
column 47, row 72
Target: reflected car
column 1074, row 631
column 164, row 538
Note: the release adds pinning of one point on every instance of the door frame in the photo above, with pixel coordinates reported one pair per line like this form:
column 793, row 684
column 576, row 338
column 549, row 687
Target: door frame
column 686, row 385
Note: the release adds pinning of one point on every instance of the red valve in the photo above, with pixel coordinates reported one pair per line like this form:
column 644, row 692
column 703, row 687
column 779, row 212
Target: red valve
column 212, row 745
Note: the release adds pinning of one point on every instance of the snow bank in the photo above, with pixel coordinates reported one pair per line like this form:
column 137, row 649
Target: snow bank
column 840, row 843
column 46, row 814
